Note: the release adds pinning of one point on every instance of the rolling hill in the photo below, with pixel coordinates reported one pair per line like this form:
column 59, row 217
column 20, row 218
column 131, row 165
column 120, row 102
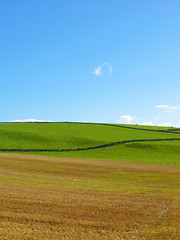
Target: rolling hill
column 93, row 140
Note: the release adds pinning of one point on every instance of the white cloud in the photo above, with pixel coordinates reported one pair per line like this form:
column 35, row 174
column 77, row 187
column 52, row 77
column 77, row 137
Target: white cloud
column 168, row 108
column 110, row 69
column 157, row 118
column 165, row 124
column 174, row 108
column 147, row 123
column 161, row 106
column 28, row 120
column 126, row 119
column 103, row 67
column 97, row 71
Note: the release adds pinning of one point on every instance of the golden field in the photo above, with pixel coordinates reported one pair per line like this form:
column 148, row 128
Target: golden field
column 49, row 198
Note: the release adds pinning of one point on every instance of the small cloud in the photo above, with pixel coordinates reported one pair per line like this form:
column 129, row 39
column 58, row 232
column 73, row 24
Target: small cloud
column 97, row 71
column 168, row 108
column 165, row 124
column 126, row 119
column 147, row 123
column 174, row 108
column 157, row 118
column 110, row 69
column 177, row 125
column 104, row 67
column 161, row 106
column 28, row 120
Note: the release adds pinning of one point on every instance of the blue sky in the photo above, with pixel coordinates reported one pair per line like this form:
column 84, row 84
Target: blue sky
column 92, row 61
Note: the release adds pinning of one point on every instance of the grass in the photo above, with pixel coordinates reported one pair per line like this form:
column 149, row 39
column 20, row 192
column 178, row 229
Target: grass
column 67, row 135
column 148, row 152
column 56, row 198
column 77, row 135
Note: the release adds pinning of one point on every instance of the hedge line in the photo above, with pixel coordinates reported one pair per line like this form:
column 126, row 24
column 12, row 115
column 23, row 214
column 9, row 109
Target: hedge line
column 87, row 148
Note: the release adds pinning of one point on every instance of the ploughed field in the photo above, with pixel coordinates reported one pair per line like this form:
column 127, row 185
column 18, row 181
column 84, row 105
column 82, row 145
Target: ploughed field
column 128, row 190
column 45, row 197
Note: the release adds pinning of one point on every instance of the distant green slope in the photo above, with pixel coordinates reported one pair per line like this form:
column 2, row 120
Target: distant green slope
column 67, row 135
column 82, row 135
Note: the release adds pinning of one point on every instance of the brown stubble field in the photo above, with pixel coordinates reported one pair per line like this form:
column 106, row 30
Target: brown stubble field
column 48, row 198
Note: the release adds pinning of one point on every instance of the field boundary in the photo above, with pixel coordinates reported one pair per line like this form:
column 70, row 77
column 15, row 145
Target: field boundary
column 142, row 129
column 88, row 148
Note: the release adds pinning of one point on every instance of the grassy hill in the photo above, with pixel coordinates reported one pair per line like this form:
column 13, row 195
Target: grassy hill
column 83, row 135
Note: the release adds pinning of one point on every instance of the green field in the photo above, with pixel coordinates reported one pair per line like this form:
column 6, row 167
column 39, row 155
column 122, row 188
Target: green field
column 83, row 135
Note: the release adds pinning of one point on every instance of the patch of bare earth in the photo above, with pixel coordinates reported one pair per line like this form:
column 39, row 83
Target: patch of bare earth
column 66, row 198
